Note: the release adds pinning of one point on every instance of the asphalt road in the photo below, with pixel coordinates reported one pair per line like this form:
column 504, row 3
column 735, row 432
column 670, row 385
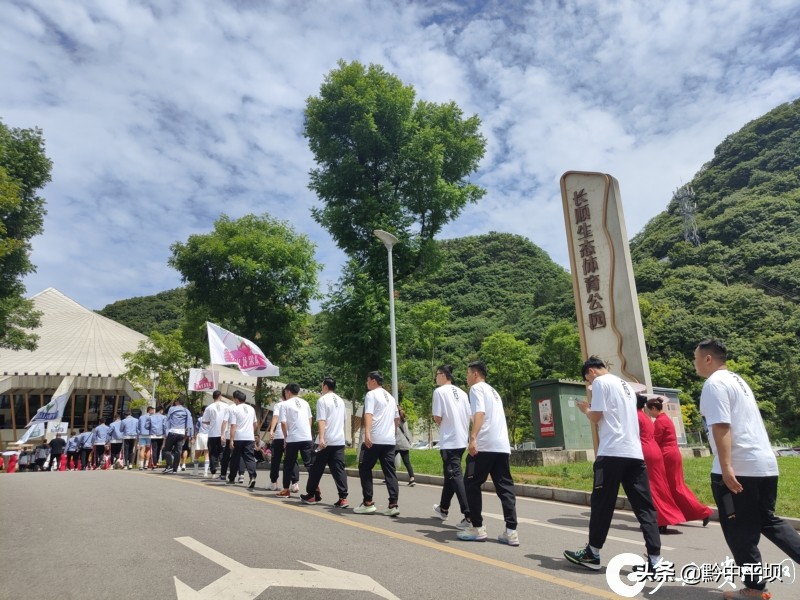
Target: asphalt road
column 125, row 534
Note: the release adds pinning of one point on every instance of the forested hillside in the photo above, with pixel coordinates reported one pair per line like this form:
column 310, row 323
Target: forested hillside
column 739, row 279
column 162, row 312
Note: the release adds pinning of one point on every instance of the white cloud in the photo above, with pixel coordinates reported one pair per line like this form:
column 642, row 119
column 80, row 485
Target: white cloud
column 160, row 116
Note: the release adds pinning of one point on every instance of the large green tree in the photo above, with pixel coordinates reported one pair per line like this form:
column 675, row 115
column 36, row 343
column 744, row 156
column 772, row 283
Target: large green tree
column 255, row 276
column 24, row 170
column 386, row 161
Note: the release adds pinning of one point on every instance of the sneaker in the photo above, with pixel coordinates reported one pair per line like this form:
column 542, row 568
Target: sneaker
column 273, row 487
column 239, row 480
column 308, row 499
column 392, row 511
column 464, row 524
column 294, row 488
column 745, row 592
column 439, row 512
column 341, row 503
column 473, row 534
column 183, row 468
column 229, row 482
column 364, row 509
column 221, row 478
column 584, row 557
column 412, row 483
column 166, row 470
column 283, row 494
column 252, row 483
column 512, row 538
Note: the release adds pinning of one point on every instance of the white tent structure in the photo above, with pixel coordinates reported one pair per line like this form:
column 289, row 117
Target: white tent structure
column 79, row 352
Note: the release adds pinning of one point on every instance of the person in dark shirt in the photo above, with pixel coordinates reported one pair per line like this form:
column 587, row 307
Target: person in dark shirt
column 57, row 445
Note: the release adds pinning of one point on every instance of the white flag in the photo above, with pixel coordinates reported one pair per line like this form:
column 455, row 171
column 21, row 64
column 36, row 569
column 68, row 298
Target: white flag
column 52, row 411
column 35, row 431
column 203, row 380
column 228, row 348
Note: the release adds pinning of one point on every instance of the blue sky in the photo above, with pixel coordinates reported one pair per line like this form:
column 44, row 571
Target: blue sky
column 159, row 116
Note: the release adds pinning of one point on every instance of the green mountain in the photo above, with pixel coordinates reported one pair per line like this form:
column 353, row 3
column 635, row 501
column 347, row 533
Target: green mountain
column 726, row 264
column 162, row 312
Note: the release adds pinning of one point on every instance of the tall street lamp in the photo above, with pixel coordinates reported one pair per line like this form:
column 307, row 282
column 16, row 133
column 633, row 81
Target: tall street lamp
column 389, row 241
column 154, row 377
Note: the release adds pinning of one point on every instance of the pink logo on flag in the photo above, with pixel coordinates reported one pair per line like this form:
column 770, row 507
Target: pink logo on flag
column 204, row 384
column 245, row 358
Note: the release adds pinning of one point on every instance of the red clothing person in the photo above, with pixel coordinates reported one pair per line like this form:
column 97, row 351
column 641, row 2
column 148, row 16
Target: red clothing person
column 664, row 433
column 667, row 512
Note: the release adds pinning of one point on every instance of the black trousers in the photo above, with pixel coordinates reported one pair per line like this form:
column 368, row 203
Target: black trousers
column 156, row 444
column 609, row 473
column 172, row 450
column 333, row 458
column 278, row 447
column 453, row 480
column 225, row 460
column 72, row 459
column 745, row 516
column 128, row 457
column 243, row 451
column 85, row 452
column 99, row 453
column 214, row 452
column 290, row 460
column 479, row 468
column 367, row 458
column 54, row 458
column 407, row 462
column 116, row 448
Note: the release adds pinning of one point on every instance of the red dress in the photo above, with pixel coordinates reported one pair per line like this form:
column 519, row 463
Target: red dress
column 691, row 507
column 667, row 511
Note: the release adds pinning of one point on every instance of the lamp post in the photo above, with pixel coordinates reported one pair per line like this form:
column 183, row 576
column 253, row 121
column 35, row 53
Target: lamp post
column 154, row 377
column 389, row 241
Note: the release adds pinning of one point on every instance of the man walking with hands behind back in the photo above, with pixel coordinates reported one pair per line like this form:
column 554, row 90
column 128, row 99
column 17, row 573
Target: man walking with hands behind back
column 489, row 454
column 244, row 426
column 744, row 475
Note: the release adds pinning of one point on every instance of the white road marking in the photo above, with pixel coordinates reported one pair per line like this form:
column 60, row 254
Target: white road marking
column 246, row 583
column 583, row 532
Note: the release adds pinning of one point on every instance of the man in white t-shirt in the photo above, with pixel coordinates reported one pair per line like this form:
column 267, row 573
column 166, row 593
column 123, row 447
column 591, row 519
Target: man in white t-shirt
column 213, row 416
column 277, row 447
column 619, row 461
column 296, row 427
column 331, row 416
column 242, row 419
column 451, row 411
column 489, row 454
column 744, row 476
column 381, row 418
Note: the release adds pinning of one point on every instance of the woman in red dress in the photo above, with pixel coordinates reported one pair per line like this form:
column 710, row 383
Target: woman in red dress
column 667, row 512
column 664, row 433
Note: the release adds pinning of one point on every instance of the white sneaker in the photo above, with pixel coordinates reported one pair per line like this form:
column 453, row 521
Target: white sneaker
column 183, row 467
column 509, row 537
column 294, row 488
column 363, row 509
column 464, row 524
column 473, row 534
column 391, row 511
column 273, row 487
column 240, row 479
column 439, row 512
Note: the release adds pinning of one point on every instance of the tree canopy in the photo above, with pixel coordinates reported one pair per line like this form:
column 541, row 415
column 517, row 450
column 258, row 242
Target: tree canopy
column 24, row 170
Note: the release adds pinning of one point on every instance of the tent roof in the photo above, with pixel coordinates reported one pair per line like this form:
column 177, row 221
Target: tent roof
column 72, row 339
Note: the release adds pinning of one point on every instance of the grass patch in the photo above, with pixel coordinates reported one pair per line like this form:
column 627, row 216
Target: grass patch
column 578, row 476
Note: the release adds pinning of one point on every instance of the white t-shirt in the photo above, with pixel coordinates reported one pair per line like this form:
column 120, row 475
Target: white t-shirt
column 227, row 418
column 244, row 417
column 726, row 398
column 451, row 403
column 330, row 408
column 381, row 405
column 618, row 430
column 296, row 413
column 493, row 434
column 215, row 414
column 276, row 412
